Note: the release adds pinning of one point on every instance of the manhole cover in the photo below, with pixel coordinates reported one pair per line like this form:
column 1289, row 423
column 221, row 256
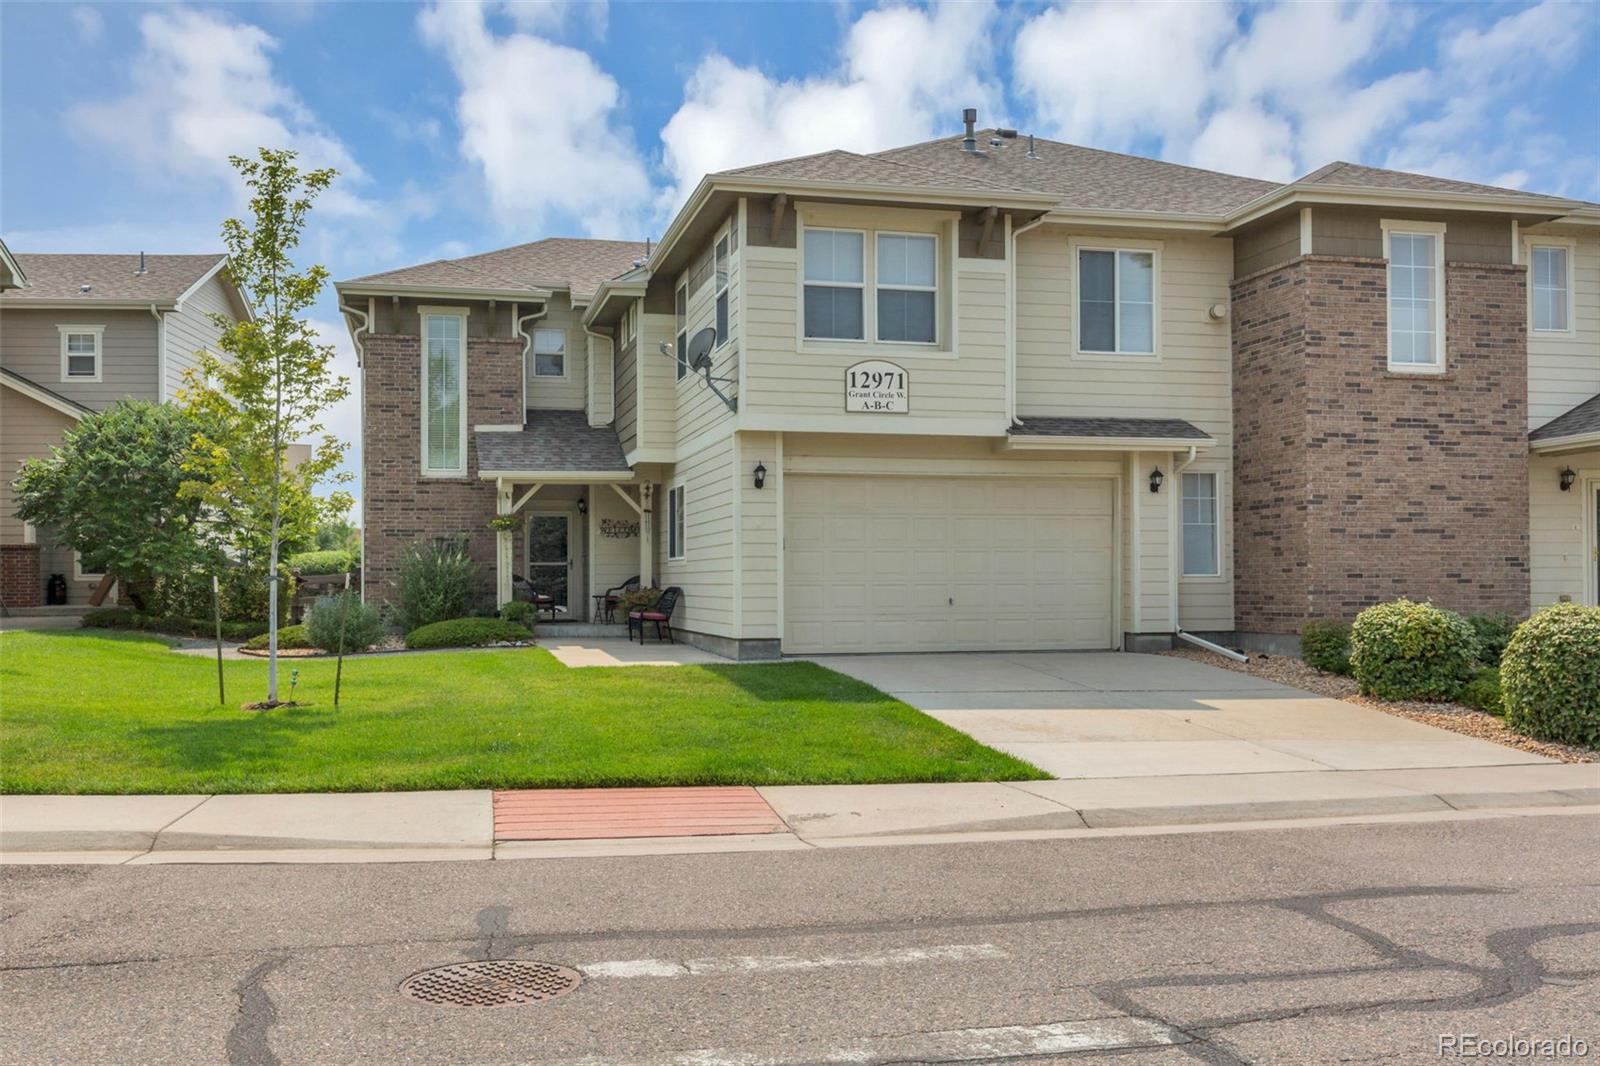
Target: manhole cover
column 493, row 983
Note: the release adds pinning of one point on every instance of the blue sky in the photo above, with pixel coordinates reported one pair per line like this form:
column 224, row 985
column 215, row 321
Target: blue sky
column 464, row 127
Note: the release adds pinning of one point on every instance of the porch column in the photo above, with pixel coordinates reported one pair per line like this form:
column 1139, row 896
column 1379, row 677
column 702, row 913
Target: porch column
column 504, row 552
column 647, row 551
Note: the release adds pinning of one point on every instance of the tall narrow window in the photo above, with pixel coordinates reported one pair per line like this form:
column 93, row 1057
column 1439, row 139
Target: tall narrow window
column 444, row 441
column 1416, row 298
column 675, row 523
column 549, row 353
column 681, row 309
column 1116, row 301
column 1200, row 540
column 80, row 352
column 907, row 272
column 722, row 292
column 835, row 284
column 1550, row 271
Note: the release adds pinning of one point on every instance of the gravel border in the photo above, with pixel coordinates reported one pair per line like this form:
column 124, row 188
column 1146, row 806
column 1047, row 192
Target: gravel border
column 1287, row 670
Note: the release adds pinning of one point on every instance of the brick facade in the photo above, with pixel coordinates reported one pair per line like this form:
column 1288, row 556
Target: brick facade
column 399, row 505
column 1355, row 485
column 19, row 576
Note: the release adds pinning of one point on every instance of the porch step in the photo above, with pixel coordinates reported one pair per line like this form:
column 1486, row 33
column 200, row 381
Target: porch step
column 588, row 630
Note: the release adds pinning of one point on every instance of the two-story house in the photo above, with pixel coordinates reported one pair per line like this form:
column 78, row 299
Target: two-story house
column 78, row 333
column 997, row 392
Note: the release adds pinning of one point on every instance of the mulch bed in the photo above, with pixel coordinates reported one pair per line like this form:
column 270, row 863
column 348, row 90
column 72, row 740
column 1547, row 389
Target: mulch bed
column 1287, row 670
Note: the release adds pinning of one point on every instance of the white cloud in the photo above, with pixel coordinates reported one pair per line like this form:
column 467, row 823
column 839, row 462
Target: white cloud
column 542, row 122
column 89, row 22
column 903, row 76
column 554, row 16
column 1246, row 140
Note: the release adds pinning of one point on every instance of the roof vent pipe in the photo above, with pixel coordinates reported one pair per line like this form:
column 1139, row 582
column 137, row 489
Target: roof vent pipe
column 969, row 143
column 1031, row 153
column 141, row 264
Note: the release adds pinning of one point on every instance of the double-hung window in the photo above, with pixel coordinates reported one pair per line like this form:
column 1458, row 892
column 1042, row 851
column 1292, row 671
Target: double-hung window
column 907, row 292
column 1201, row 541
column 681, row 310
column 444, row 388
column 549, row 353
column 675, row 522
column 835, row 284
column 80, row 352
column 1550, row 275
column 1415, row 252
column 722, row 291
column 1116, row 301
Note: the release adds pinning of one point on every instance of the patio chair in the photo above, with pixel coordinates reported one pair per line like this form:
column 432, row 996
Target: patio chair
column 659, row 612
column 615, row 594
column 522, row 589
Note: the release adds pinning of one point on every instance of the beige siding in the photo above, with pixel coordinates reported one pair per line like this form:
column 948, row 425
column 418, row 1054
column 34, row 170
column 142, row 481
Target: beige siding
column 28, row 430
column 1357, row 231
column 698, row 409
column 613, row 535
column 565, row 393
column 627, row 396
column 760, row 539
column 598, row 392
column 707, row 568
column 192, row 329
column 1564, row 368
column 30, row 345
column 1561, row 528
column 656, row 390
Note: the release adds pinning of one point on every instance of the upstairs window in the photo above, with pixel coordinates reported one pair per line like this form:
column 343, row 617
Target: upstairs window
column 681, row 310
column 722, row 292
column 1116, row 301
column 835, row 284
column 549, row 353
column 1551, row 291
column 1200, row 539
column 1415, row 251
column 444, row 381
column 675, row 522
column 80, row 352
column 625, row 327
column 908, row 288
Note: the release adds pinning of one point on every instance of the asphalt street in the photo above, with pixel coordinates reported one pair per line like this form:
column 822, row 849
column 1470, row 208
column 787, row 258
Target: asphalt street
column 1364, row 943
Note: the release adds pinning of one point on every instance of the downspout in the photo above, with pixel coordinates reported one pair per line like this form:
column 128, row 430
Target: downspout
column 1011, row 318
column 1175, row 567
column 356, row 339
column 527, row 345
column 161, row 353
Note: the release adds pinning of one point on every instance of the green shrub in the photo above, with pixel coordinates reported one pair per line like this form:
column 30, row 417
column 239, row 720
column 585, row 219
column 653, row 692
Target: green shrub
column 1412, row 651
column 465, row 633
column 170, row 625
column 1550, row 676
column 1494, row 633
column 110, row 618
column 1483, row 692
column 521, row 612
column 343, row 617
column 1326, row 645
column 437, row 582
column 288, row 637
column 336, row 561
column 636, row 600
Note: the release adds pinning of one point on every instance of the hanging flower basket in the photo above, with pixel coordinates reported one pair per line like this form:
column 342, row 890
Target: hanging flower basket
column 505, row 523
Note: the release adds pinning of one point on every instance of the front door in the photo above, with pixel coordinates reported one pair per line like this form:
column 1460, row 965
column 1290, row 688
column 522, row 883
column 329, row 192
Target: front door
column 551, row 562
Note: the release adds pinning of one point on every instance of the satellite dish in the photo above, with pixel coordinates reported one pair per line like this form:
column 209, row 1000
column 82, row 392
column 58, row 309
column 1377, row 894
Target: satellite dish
column 698, row 353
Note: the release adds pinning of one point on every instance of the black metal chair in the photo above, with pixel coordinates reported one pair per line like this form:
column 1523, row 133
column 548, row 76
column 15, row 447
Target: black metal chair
column 659, row 612
column 522, row 589
column 614, row 594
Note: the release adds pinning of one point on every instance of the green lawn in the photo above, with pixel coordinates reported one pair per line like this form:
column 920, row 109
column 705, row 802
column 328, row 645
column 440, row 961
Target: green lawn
column 109, row 712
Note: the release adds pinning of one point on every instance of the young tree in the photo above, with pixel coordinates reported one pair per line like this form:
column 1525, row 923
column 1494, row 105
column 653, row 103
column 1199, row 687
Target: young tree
column 271, row 386
column 111, row 492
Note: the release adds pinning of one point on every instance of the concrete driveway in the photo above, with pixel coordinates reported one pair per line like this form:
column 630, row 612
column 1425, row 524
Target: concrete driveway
column 1114, row 714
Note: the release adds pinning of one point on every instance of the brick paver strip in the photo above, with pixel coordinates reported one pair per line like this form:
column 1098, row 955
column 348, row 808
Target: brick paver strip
column 596, row 813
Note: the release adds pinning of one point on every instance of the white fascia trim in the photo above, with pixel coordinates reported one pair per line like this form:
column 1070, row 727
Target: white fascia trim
column 1575, row 441
column 904, row 193
column 650, row 455
column 216, row 268
column 55, row 403
column 529, row 295
column 1394, row 198
column 548, row 477
column 1079, row 444
column 631, row 290
column 92, row 305
column 504, row 427
column 10, row 263
column 1136, row 220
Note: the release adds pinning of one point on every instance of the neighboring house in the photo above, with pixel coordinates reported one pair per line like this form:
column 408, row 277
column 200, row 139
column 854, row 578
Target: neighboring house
column 78, row 333
column 992, row 392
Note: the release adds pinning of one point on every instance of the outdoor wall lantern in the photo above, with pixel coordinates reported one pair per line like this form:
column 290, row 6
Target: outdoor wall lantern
column 1156, row 478
column 761, row 475
column 1567, row 478
column 583, row 505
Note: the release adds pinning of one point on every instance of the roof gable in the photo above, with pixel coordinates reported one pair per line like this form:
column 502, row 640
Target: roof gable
column 117, row 278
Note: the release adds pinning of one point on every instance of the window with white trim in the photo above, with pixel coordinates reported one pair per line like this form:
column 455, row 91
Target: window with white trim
column 549, row 353
column 80, row 574
column 81, row 352
column 835, row 284
column 721, row 291
column 681, row 310
column 675, row 522
column 1201, row 539
column 908, row 287
column 1550, row 275
column 444, row 381
column 1416, row 296
column 625, row 328
column 1116, row 301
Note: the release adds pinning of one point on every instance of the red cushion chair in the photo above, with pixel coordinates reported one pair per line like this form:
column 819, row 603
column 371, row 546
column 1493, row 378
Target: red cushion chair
column 659, row 613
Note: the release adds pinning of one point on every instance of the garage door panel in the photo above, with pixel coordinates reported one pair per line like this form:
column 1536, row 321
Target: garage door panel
column 909, row 564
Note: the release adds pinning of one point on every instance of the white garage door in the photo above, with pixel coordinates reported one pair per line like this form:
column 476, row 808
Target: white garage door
column 946, row 564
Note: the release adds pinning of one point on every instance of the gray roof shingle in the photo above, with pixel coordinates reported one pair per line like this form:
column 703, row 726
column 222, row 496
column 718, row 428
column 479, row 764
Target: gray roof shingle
column 56, row 278
column 1582, row 419
column 854, row 168
column 577, row 263
column 1174, row 429
column 1355, row 175
column 552, row 442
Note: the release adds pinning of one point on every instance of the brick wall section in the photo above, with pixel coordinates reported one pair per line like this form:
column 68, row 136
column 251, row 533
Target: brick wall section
column 1408, row 485
column 399, row 505
column 19, row 576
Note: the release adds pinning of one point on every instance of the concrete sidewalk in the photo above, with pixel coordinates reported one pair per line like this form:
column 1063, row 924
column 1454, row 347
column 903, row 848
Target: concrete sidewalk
column 431, row 826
